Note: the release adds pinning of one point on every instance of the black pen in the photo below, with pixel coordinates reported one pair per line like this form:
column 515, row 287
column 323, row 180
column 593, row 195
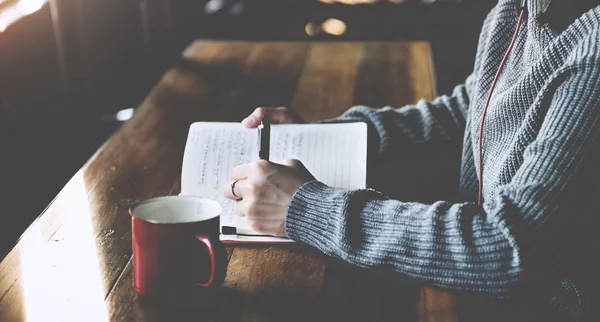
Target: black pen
column 264, row 139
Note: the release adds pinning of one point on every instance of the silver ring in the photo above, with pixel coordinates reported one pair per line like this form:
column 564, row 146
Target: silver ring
column 233, row 188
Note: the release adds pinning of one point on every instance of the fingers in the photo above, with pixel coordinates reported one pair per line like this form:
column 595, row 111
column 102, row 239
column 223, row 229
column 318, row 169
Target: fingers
column 260, row 217
column 234, row 189
column 275, row 114
column 281, row 115
column 239, row 208
column 240, row 172
column 253, row 120
column 239, row 178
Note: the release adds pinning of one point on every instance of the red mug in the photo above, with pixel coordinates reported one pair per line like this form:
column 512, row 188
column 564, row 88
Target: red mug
column 174, row 241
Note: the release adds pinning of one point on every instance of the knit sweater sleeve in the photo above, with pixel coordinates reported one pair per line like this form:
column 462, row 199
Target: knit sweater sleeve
column 425, row 137
column 439, row 121
column 461, row 246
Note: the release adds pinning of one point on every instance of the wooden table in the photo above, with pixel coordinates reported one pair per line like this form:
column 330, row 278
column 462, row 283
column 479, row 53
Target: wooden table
column 74, row 261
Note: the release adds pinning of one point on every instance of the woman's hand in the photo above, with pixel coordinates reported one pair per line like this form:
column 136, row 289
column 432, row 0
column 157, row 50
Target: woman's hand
column 277, row 115
column 263, row 190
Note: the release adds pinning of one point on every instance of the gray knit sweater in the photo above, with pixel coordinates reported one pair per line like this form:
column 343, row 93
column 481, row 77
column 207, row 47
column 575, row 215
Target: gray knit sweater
column 535, row 236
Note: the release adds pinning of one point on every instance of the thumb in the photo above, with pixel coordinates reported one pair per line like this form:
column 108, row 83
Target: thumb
column 253, row 120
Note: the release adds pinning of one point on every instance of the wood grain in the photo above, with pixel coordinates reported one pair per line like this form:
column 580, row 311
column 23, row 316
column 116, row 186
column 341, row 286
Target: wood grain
column 421, row 71
column 75, row 260
column 394, row 74
column 326, row 87
column 436, row 306
column 273, row 284
column 356, row 294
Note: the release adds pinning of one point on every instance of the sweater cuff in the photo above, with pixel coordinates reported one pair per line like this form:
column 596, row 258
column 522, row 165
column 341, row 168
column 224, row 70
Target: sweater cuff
column 354, row 114
column 310, row 210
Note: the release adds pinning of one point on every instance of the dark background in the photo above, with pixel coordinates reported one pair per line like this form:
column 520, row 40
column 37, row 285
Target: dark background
column 66, row 69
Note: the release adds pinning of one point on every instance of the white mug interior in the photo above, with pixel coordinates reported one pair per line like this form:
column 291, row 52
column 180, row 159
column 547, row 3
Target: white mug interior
column 176, row 209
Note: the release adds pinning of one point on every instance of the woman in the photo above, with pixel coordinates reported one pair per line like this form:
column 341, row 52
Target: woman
column 529, row 236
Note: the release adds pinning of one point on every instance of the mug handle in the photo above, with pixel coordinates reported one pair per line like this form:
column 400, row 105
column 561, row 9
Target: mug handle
column 205, row 239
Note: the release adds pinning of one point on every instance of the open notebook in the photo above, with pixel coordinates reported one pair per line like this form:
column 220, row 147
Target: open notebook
column 336, row 154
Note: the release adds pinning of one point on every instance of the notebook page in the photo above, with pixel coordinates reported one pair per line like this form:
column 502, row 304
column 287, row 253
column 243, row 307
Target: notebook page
column 334, row 153
column 212, row 150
